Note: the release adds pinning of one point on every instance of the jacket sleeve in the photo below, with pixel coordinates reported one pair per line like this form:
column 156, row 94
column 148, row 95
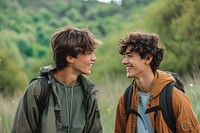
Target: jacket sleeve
column 186, row 120
column 27, row 114
column 120, row 119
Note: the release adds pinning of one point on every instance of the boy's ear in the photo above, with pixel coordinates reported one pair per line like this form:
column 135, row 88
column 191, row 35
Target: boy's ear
column 148, row 59
column 69, row 59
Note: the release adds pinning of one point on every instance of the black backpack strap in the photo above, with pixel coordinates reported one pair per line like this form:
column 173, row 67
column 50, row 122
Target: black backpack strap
column 166, row 106
column 44, row 95
column 45, row 92
column 152, row 109
column 127, row 99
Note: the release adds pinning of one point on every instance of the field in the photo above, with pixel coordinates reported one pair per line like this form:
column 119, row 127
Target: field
column 108, row 95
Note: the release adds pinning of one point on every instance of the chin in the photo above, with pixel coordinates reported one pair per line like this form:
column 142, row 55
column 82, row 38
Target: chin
column 129, row 76
column 87, row 73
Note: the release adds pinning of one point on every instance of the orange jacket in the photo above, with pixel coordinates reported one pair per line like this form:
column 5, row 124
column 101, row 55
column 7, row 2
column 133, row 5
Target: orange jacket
column 186, row 120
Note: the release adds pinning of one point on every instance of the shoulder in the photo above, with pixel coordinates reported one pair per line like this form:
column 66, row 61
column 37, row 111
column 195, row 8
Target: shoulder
column 34, row 88
column 186, row 119
column 121, row 101
column 178, row 96
column 181, row 102
column 126, row 95
column 180, row 99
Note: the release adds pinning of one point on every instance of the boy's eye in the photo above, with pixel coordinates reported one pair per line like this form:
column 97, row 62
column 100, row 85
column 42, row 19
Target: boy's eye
column 128, row 55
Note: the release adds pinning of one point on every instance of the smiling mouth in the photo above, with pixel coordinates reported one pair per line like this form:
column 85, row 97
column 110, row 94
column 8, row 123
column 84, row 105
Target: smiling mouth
column 128, row 68
column 90, row 65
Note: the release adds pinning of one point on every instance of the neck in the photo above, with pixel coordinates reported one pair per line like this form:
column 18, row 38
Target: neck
column 66, row 76
column 145, row 82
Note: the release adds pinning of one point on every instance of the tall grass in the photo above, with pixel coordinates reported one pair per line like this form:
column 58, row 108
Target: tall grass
column 192, row 88
column 7, row 110
column 109, row 93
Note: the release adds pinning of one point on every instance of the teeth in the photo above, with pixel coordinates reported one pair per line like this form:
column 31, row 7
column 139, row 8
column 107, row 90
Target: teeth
column 90, row 65
column 127, row 68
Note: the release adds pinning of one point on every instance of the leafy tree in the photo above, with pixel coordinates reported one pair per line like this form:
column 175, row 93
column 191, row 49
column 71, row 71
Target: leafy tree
column 132, row 3
column 12, row 77
column 178, row 24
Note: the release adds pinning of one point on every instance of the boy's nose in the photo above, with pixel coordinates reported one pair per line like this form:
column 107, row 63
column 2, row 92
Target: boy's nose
column 124, row 61
column 93, row 57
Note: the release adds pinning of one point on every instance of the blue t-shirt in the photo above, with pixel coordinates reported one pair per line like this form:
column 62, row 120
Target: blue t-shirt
column 145, row 125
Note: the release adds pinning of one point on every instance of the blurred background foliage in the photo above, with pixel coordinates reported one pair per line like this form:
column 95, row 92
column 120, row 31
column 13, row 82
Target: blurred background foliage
column 26, row 27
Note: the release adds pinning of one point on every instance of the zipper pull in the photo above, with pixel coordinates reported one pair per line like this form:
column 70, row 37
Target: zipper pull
column 150, row 100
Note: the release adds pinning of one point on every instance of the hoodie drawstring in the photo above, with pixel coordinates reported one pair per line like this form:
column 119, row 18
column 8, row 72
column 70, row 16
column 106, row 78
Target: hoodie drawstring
column 69, row 110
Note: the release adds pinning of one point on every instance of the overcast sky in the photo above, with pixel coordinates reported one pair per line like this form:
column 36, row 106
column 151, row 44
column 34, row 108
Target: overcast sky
column 107, row 1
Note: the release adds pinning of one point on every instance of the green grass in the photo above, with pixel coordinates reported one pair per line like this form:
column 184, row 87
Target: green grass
column 192, row 88
column 108, row 95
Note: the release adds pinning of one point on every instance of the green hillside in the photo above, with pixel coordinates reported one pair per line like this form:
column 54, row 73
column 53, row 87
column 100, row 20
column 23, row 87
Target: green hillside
column 26, row 27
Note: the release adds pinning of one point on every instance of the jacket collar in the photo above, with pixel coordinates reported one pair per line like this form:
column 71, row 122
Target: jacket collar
column 88, row 85
column 161, row 79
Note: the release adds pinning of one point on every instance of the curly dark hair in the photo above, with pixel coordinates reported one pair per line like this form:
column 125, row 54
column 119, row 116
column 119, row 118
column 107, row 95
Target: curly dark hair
column 143, row 44
column 71, row 41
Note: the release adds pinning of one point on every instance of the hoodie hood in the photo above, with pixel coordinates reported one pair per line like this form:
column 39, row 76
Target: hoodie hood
column 161, row 79
column 47, row 69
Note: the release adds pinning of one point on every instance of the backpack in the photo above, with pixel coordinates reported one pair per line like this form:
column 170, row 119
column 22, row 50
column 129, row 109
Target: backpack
column 165, row 104
column 45, row 86
column 45, row 91
column 44, row 94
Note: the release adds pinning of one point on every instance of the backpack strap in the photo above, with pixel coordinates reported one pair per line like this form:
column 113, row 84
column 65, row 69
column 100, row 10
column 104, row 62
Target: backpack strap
column 45, row 92
column 127, row 102
column 44, row 95
column 127, row 99
column 166, row 106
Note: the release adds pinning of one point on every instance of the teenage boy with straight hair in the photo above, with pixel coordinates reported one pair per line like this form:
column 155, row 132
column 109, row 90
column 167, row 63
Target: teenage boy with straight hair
column 72, row 106
column 142, row 55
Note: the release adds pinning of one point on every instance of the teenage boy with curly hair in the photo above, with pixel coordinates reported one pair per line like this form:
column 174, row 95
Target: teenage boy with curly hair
column 142, row 55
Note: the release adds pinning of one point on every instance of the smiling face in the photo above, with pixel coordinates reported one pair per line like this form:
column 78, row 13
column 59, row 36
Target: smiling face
column 83, row 63
column 146, row 44
column 135, row 65
column 70, row 41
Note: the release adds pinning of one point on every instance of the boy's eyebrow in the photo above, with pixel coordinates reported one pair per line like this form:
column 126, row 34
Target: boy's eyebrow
column 128, row 52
